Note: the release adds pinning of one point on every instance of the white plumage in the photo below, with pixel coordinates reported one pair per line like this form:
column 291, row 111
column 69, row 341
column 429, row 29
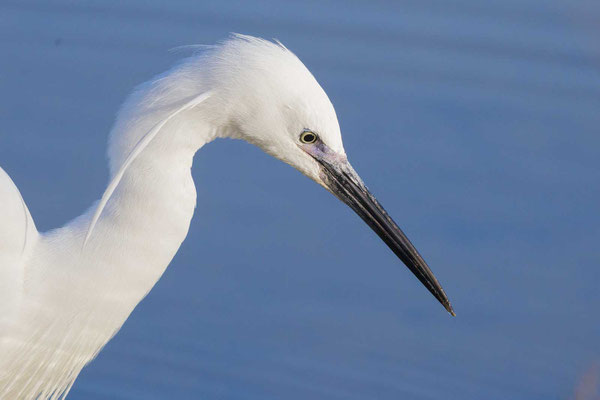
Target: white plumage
column 66, row 292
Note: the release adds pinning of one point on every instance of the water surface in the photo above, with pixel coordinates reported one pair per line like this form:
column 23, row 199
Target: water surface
column 475, row 123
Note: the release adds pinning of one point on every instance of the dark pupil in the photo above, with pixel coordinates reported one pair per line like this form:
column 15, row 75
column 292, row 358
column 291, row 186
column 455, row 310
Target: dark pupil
column 309, row 137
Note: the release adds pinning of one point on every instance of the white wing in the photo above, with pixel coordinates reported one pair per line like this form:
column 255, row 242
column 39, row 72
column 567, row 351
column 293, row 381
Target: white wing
column 17, row 235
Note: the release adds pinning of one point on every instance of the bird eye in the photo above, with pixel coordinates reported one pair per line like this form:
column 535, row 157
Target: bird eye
column 308, row 137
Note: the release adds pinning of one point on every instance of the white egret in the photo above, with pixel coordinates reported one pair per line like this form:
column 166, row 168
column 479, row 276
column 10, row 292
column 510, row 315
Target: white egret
column 66, row 292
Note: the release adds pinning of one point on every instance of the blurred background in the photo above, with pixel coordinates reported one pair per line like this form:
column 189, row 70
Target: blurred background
column 475, row 123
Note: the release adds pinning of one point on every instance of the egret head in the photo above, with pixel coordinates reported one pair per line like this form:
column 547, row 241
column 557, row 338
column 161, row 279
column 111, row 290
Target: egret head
column 265, row 95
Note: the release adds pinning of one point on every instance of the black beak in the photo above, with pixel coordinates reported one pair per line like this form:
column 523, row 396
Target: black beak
column 344, row 183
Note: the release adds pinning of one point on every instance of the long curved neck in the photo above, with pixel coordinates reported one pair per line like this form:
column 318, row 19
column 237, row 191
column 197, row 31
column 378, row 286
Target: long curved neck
column 77, row 299
column 147, row 217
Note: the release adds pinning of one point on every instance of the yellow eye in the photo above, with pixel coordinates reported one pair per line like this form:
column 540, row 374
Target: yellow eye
column 308, row 137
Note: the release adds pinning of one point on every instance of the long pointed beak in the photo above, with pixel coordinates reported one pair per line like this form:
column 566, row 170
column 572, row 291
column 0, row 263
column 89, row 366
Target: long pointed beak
column 341, row 179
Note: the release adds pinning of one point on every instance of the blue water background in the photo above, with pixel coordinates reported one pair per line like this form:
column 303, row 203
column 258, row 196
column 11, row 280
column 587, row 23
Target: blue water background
column 477, row 125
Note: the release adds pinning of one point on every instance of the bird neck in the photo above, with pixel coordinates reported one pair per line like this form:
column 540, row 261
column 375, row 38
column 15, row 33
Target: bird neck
column 147, row 217
column 142, row 224
column 77, row 299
